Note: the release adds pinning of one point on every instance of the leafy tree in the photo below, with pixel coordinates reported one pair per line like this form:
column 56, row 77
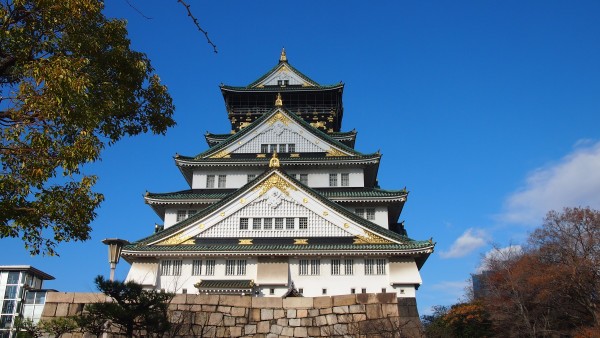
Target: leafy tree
column 26, row 328
column 468, row 320
column 133, row 310
column 435, row 324
column 70, row 86
column 58, row 326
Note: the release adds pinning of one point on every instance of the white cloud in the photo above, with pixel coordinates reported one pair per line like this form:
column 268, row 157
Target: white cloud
column 469, row 241
column 499, row 253
column 573, row 181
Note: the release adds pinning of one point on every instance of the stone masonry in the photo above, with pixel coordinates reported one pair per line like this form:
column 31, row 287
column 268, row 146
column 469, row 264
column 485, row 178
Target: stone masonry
column 356, row 315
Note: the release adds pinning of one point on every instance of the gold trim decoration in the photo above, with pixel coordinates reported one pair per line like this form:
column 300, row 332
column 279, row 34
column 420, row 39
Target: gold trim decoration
column 334, row 152
column 305, row 200
column 325, row 213
column 300, row 241
column 221, row 154
column 175, row 240
column 294, row 155
column 274, row 162
column 243, row 200
column 245, row 241
column 319, row 124
column 283, row 56
column 275, row 181
column 201, row 226
column 346, row 225
column 370, row 238
column 278, row 100
column 222, row 214
column 261, row 155
column 278, row 117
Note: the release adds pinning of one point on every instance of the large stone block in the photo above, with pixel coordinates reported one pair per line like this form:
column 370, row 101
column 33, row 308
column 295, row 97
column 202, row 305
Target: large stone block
column 386, row 298
column 203, row 299
column 75, row 309
column 263, row 327
column 241, row 320
column 288, row 331
column 229, row 321
column 298, row 303
column 235, row 331
column 359, row 317
column 179, row 299
column 302, row 313
column 88, row 297
column 344, row 300
column 230, row 300
column 215, row 318
column 356, row 308
column 62, row 310
column 267, row 302
column 331, row 319
column 49, row 310
column 320, row 320
column 389, row 310
column 238, row 311
column 313, row 312
column 294, row 322
column 278, row 313
column 291, row 313
column 314, row 331
column 276, row 329
column 250, row 329
column 322, row 302
column 373, row 311
column 300, row 332
column 367, row 298
column 60, row 297
column 255, row 315
column 325, row 311
column 340, row 309
column 224, row 309
column 340, row 329
column 306, row 321
column 266, row 314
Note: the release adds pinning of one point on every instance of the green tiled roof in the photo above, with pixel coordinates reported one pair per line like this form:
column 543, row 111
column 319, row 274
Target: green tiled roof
column 225, row 284
column 323, row 136
column 326, row 192
column 281, row 89
column 409, row 245
column 283, row 159
column 339, row 134
column 212, row 208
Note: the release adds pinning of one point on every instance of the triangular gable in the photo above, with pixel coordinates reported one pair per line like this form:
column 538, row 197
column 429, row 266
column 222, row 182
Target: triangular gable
column 282, row 72
column 274, row 190
column 279, row 124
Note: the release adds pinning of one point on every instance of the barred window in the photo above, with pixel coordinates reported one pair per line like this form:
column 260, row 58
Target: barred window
column 196, row 267
column 250, row 177
column 333, row 180
column 181, row 215
column 348, row 266
column 315, row 267
column 222, row 180
column 360, row 212
column 291, row 148
column 272, row 148
column 294, row 176
column 369, row 266
column 243, row 224
column 303, row 223
column 310, row 267
column 241, row 267
column 256, row 223
column 268, row 225
column 210, row 267
column 230, row 267
column 381, row 264
column 375, row 266
column 335, row 267
column 264, row 148
column 345, row 179
column 177, row 267
column 370, row 214
column 210, row 181
column 304, row 179
column 303, row 267
column 283, row 148
column 278, row 223
column 165, row 268
column 289, row 223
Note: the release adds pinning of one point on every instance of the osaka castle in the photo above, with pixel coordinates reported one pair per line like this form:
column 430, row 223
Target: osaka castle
column 282, row 205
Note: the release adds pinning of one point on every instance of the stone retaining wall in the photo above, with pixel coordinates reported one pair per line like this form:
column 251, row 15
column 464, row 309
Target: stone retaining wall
column 356, row 315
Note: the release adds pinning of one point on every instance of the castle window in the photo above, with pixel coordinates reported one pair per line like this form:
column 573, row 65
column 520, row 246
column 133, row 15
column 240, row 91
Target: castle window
column 222, row 179
column 303, row 223
column 177, row 267
column 375, row 266
column 304, row 179
column 294, row 176
column 348, row 266
column 235, row 267
column 268, row 224
column 289, row 223
column 291, row 148
column 335, row 267
column 243, row 224
column 264, row 148
column 250, row 177
column 345, row 179
column 370, row 214
column 278, row 223
column 196, row 267
column 333, row 180
column 210, row 267
column 256, row 223
column 283, row 148
column 272, row 148
column 210, row 181
column 165, row 268
column 310, row 267
column 360, row 212
column 271, row 291
column 170, row 268
column 181, row 215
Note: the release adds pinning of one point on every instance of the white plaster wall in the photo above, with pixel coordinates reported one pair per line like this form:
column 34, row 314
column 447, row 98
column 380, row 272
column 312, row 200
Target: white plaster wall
column 316, row 177
column 186, row 280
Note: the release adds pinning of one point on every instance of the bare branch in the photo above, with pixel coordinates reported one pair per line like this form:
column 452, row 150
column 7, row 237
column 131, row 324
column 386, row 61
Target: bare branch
column 197, row 23
column 137, row 10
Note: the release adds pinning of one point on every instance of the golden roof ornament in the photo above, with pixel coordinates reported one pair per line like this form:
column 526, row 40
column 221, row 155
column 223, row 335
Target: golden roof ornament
column 278, row 101
column 283, row 57
column 274, row 162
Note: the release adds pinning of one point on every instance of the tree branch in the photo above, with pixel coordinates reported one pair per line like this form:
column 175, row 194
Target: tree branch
column 197, row 23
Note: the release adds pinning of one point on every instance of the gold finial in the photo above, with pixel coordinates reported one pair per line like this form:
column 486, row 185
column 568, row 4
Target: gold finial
column 274, row 162
column 278, row 100
column 283, row 57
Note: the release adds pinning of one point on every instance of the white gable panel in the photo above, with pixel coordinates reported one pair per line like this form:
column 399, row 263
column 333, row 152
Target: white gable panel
column 282, row 74
column 317, row 225
column 279, row 133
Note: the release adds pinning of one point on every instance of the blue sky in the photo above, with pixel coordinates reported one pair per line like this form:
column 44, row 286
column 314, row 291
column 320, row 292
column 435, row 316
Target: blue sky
column 487, row 111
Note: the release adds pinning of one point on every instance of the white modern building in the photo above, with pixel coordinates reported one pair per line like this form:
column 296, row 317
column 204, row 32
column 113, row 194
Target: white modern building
column 282, row 204
column 21, row 294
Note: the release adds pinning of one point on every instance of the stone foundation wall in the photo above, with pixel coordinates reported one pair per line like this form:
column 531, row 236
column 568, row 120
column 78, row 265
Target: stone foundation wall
column 356, row 315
